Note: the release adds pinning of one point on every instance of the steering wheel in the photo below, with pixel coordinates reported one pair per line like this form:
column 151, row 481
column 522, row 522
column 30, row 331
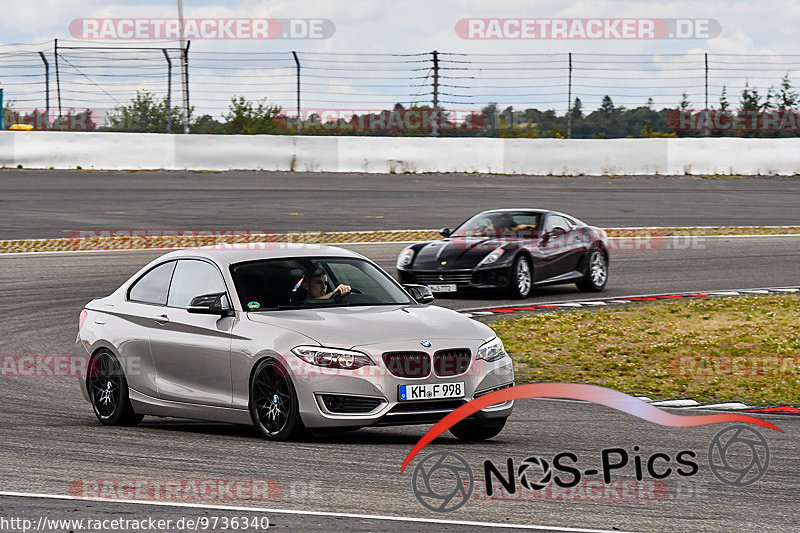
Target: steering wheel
column 339, row 297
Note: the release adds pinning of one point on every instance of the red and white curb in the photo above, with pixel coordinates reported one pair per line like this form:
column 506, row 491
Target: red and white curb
column 621, row 300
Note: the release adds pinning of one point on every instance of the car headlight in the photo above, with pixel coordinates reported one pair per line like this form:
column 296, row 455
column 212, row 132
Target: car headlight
column 492, row 257
column 492, row 350
column 406, row 256
column 332, row 357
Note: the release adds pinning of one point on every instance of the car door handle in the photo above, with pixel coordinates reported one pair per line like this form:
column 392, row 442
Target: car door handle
column 162, row 319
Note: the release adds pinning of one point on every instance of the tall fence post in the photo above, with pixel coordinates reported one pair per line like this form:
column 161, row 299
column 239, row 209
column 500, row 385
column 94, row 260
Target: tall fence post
column 58, row 79
column 46, row 85
column 185, row 80
column 169, row 90
column 299, row 118
column 2, row 111
column 569, row 99
column 435, row 124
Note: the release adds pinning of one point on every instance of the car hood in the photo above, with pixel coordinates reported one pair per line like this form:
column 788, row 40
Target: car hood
column 454, row 253
column 346, row 327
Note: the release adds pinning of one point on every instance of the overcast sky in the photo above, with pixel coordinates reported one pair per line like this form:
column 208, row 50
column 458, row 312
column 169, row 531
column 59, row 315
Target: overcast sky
column 413, row 26
column 764, row 28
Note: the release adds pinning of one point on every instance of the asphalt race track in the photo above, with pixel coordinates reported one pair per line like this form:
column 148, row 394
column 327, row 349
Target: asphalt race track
column 51, row 438
column 52, row 203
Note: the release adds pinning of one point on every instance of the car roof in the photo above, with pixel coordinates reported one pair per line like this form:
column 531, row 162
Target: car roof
column 240, row 252
column 515, row 209
column 533, row 210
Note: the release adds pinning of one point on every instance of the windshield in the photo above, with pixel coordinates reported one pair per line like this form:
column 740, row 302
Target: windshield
column 499, row 224
column 306, row 282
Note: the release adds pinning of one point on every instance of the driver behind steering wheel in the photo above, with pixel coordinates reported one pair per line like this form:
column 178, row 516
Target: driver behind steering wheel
column 316, row 284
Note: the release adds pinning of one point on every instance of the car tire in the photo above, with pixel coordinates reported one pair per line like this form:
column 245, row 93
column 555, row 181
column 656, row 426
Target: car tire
column 475, row 430
column 595, row 276
column 520, row 285
column 108, row 391
column 273, row 402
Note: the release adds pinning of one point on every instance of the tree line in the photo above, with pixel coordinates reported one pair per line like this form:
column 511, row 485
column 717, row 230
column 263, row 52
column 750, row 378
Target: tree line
column 765, row 115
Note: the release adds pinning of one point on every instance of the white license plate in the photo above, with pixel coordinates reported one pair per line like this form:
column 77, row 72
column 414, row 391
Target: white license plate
column 446, row 287
column 431, row 391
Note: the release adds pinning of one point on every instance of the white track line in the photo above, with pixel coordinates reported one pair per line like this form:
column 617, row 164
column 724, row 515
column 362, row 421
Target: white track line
column 307, row 513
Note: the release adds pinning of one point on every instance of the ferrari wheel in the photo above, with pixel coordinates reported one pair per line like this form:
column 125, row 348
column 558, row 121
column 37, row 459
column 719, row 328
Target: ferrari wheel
column 521, row 281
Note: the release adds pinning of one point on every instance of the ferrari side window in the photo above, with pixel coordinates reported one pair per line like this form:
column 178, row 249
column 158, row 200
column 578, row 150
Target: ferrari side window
column 556, row 222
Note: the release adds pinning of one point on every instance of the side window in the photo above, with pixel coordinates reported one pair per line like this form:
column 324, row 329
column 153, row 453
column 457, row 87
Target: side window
column 530, row 221
column 152, row 287
column 556, row 221
column 193, row 278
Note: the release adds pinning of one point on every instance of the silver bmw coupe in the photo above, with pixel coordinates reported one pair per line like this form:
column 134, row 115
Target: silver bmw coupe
column 287, row 337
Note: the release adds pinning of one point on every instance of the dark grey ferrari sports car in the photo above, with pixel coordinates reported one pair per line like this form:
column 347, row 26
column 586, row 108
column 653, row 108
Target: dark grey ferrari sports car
column 513, row 250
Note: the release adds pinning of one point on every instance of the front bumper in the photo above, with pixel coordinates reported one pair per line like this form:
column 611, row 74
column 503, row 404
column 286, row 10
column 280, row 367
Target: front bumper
column 369, row 396
column 480, row 278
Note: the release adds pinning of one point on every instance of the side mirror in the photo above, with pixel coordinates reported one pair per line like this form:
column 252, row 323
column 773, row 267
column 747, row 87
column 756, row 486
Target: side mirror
column 445, row 232
column 211, row 304
column 420, row 293
column 557, row 232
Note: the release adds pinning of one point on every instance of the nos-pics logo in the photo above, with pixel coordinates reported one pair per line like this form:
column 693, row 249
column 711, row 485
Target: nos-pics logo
column 443, row 481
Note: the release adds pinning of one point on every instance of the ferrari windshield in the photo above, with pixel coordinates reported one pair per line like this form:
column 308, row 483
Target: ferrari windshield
column 497, row 224
column 301, row 282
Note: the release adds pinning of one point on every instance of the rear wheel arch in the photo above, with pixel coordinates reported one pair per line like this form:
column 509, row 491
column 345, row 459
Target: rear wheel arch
column 122, row 413
column 586, row 283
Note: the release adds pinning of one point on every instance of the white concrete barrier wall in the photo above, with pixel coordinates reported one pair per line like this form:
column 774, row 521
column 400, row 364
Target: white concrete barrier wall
column 665, row 156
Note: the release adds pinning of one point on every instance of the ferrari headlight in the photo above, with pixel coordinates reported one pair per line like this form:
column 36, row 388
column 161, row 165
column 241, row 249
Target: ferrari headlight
column 492, row 350
column 496, row 254
column 332, row 357
column 406, row 256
